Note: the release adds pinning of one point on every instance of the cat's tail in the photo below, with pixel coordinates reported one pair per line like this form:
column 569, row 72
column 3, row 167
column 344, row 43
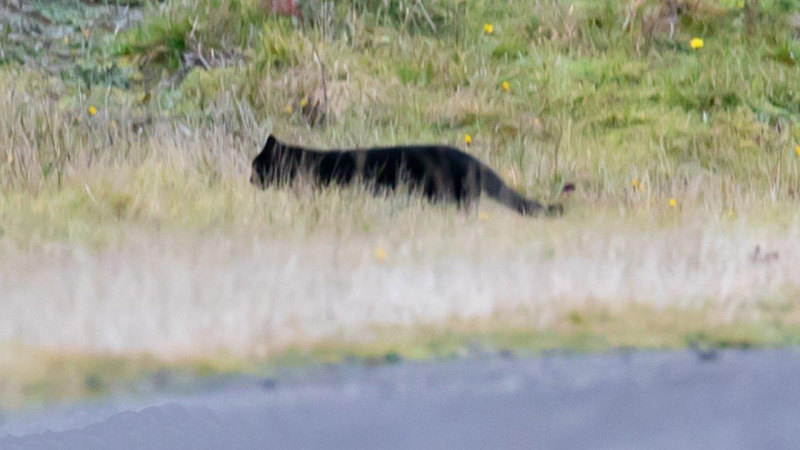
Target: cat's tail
column 494, row 187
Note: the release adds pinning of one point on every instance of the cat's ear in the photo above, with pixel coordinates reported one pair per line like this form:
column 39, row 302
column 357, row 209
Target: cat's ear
column 271, row 141
column 271, row 144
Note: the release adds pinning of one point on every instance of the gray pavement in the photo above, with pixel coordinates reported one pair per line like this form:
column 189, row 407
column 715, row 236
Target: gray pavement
column 726, row 400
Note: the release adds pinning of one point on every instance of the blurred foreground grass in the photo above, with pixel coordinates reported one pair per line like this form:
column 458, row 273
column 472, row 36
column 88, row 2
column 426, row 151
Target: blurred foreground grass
column 34, row 376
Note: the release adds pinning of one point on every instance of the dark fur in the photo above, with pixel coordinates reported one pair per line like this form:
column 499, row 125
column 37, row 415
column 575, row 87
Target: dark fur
column 438, row 172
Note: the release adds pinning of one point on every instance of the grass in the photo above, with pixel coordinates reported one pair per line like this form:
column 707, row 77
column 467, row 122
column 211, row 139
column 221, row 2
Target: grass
column 142, row 216
column 40, row 377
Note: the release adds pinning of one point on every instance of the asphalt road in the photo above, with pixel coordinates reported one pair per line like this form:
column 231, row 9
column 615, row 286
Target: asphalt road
column 725, row 400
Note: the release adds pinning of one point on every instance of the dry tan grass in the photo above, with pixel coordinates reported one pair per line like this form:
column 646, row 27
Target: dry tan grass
column 149, row 239
column 177, row 297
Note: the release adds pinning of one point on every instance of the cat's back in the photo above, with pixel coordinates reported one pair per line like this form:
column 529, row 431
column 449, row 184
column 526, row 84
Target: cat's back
column 416, row 153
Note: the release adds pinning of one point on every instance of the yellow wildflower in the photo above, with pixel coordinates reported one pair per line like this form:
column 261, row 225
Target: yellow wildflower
column 488, row 28
column 506, row 87
column 696, row 43
column 635, row 183
column 673, row 203
column 483, row 217
column 303, row 102
column 288, row 109
column 381, row 254
column 92, row 110
column 797, row 150
column 467, row 139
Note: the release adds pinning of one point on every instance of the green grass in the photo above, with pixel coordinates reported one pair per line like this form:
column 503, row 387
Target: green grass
column 622, row 102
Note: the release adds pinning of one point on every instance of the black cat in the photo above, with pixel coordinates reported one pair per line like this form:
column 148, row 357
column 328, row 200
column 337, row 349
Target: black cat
column 439, row 172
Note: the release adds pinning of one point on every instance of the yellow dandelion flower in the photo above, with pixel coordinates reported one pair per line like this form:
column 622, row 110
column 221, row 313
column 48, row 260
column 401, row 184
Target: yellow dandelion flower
column 488, row 28
column 303, row 102
column 673, row 203
column 696, row 43
column 380, row 254
column 506, row 87
column 797, row 150
column 92, row 110
column 483, row 217
column 635, row 183
column 467, row 139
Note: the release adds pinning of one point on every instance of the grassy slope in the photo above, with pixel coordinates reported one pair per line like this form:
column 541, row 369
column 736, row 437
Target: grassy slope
column 634, row 116
column 588, row 101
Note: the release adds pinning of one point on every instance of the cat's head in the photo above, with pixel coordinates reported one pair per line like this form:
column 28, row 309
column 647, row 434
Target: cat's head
column 263, row 164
